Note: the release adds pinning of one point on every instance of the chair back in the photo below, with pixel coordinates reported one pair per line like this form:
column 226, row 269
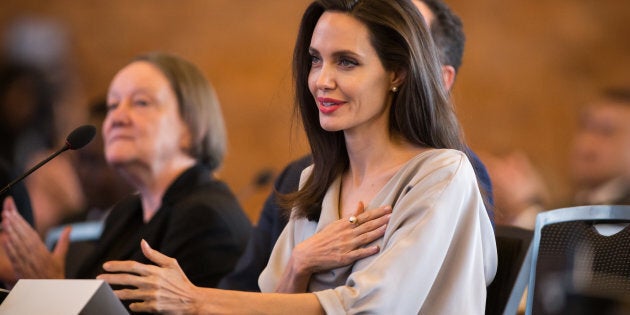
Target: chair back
column 81, row 231
column 513, row 244
column 580, row 261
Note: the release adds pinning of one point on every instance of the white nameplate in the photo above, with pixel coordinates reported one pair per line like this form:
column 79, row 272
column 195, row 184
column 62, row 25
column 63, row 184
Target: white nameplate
column 62, row 297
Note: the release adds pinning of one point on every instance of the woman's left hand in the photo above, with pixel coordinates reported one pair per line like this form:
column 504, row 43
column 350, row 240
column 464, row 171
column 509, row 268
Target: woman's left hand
column 163, row 288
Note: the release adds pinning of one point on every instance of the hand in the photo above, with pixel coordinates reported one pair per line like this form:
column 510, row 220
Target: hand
column 341, row 243
column 338, row 244
column 163, row 289
column 7, row 274
column 27, row 252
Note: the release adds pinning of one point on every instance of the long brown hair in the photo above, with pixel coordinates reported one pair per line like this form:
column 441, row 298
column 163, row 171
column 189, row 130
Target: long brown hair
column 421, row 111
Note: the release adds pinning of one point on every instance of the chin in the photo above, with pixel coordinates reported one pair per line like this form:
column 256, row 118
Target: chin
column 329, row 126
column 116, row 159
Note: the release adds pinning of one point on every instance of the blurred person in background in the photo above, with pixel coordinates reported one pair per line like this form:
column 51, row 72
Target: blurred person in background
column 599, row 164
column 27, row 136
column 41, row 103
column 600, row 159
column 520, row 191
column 26, row 111
column 164, row 133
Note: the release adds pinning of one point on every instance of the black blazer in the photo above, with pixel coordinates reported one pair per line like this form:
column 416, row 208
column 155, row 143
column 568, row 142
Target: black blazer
column 200, row 223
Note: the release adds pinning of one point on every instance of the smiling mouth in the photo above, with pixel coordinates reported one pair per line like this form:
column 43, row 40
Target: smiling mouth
column 328, row 102
column 118, row 138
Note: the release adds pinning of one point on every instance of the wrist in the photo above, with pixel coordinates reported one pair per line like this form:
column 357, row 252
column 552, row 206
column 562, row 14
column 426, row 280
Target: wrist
column 196, row 301
column 299, row 265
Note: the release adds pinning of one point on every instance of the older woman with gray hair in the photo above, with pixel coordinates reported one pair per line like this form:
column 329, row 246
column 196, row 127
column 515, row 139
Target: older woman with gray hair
column 164, row 133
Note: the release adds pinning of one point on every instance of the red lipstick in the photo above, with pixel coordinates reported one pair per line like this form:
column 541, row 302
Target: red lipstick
column 328, row 105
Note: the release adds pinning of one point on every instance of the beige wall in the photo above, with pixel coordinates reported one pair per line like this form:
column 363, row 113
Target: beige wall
column 527, row 68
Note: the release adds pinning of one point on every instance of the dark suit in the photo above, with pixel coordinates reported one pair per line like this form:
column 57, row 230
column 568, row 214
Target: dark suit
column 200, row 223
column 272, row 221
column 18, row 192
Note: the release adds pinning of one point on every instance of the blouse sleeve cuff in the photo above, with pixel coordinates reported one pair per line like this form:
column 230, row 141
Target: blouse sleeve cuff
column 330, row 302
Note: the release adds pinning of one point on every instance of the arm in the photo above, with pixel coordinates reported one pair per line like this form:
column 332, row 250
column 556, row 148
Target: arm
column 339, row 244
column 29, row 256
column 176, row 294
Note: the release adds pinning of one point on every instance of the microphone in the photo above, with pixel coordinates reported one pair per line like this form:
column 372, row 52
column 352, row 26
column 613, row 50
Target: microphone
column 77, row 139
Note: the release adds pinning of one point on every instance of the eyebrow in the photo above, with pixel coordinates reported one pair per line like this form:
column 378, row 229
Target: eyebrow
column 134, row 92
column 336, row 54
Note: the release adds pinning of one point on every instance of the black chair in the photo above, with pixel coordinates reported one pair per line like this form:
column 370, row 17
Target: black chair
column 581, row 261
column 513, row 245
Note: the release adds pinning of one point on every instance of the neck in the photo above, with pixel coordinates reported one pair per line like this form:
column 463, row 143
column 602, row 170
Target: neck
column 373, row 162
column 152, row 181
column 370, row 156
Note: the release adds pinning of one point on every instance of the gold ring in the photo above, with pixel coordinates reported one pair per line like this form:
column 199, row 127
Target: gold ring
column 353, row 220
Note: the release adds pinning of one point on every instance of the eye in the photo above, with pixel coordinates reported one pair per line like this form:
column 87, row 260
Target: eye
column 315, row 60
column 348, row 62
column 111, row 106
column 141, row 102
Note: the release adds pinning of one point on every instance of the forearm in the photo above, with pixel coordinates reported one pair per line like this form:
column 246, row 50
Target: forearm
column 214, row 301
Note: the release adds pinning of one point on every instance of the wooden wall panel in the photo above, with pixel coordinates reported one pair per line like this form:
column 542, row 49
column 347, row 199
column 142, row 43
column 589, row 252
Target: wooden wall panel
column 528, row 66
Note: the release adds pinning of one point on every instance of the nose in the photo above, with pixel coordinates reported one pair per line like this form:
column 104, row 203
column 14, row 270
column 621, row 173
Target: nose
column 118, row 115
column 325, row 79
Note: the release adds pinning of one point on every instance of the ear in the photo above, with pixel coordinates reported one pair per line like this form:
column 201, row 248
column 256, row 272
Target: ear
column 398, row 77
column 448, row 77
column 185, row 142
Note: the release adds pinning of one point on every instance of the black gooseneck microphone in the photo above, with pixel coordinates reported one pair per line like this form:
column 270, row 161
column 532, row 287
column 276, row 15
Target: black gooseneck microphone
column 77, row 139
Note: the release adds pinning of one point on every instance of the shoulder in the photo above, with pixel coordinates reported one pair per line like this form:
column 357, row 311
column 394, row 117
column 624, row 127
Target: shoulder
column 214, row 195
column 207, row 211
column 300, row 164
column 290, row 176
column 210, row 205
column 437, row 167
column 444, row 160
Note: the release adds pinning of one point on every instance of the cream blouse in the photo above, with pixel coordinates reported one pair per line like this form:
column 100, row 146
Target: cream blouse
column 437, row 256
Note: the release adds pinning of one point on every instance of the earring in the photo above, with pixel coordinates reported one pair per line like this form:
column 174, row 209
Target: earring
column 395, row 89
